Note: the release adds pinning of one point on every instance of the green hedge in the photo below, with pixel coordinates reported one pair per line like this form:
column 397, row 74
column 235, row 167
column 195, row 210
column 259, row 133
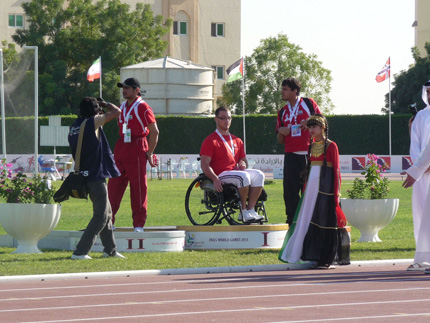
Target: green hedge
column 365, row 134
column 359, row 134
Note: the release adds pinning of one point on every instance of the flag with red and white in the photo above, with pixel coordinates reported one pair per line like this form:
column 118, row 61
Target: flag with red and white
column 235, row 71
column 384, row 73
column 95, row 70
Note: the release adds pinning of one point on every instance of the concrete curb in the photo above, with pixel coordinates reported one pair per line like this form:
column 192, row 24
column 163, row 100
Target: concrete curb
column 192, row 271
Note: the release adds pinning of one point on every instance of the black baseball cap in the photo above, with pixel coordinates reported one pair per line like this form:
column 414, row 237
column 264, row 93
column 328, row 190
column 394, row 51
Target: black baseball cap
column 130, row 82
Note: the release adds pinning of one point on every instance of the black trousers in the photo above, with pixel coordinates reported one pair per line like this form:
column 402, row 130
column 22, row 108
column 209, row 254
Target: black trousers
column 294, row 167
column 100, row 223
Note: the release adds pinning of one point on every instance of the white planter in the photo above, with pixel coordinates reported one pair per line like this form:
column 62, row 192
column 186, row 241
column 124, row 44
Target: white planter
column 369, row 216
column 28, row 223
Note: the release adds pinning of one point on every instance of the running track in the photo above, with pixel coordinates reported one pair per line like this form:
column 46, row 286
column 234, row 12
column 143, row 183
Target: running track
column 381, row 292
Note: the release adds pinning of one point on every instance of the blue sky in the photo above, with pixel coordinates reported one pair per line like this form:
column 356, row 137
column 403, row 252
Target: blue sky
column 353, row 39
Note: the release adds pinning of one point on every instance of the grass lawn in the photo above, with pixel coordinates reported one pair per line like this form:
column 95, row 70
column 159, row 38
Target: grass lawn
column 166, row 208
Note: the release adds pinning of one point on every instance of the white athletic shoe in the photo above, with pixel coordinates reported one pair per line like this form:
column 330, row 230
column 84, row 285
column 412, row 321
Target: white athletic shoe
column 80, row 257
column 138, row 229
column 255, row 215
column 246, row 216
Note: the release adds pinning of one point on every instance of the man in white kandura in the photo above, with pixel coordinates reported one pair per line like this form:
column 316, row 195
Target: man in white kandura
column 420, row 133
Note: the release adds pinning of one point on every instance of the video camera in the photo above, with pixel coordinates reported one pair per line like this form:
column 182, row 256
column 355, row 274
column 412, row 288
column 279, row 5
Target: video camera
column 413, row 109
column 100, row 109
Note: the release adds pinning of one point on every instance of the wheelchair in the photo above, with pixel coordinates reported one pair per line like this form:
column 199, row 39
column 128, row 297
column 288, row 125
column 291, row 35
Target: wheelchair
column 205, row 206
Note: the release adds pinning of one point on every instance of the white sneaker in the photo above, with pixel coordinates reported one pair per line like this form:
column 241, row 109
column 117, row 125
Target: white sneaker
column 246, row 216
column 138, row 229
column 80, row 257
column 255, row 215
column 115, row 255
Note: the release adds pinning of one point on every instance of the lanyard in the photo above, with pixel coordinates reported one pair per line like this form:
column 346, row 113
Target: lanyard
column 294, row 111
column 124, row 107
column 231, row 149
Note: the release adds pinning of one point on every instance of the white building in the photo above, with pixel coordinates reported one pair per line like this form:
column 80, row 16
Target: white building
column 422, row 25
column 205, row 32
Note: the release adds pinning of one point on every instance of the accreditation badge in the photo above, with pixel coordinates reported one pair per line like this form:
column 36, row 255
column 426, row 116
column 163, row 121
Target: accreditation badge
column 127, row 136
column 296, row 131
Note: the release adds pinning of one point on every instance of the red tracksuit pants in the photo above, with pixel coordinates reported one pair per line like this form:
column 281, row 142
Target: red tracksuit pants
column 130, row 158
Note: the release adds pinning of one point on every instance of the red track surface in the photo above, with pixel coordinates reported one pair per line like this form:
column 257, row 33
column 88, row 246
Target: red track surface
column 379, row 293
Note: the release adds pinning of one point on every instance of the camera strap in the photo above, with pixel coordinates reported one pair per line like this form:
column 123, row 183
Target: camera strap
column 79, row 146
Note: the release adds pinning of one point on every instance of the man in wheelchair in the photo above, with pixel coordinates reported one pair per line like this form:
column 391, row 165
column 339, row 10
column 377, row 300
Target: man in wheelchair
column 223, row 160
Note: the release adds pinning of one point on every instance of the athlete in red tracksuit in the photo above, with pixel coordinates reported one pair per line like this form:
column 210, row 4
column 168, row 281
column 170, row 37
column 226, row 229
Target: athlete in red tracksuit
column 132, row 151
column 293, row 133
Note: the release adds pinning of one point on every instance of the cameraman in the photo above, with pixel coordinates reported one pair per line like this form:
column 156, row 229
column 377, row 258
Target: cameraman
column 96, row 164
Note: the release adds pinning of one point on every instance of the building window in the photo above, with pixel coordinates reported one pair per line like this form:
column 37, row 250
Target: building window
column 219, row 71
column 16, row 21
column 180, row 28
column 217, row 30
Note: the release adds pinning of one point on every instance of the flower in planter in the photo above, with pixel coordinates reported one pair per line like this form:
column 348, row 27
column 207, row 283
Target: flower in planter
column 374, row 186
column 21, row 189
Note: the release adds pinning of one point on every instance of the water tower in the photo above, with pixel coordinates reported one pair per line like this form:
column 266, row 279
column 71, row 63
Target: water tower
column 174, row 87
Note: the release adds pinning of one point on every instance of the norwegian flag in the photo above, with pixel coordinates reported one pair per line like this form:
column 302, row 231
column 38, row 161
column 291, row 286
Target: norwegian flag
column 384, row 73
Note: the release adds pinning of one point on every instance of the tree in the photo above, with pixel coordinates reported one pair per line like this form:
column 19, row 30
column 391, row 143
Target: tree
column 10, row 55
column 407, row 86
column 270, row 63
column 17, row 80
column 70, row 37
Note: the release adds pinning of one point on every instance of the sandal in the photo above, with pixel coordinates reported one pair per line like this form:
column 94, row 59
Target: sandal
column 417, row 267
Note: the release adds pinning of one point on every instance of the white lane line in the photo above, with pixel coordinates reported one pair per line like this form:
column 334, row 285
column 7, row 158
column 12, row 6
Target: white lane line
column 211, row 280
column 228, row 288
column 252, row 309
column 222, row 280
column 161, row 302
column 150, row 292
column 397, row 315
column 81, row 286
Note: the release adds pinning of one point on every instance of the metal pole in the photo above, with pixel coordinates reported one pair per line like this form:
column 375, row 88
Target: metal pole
column 389, row 108
column 243, row 106
column 3, row 114
column 36, row 107
column 101, row 91
column 166, row 104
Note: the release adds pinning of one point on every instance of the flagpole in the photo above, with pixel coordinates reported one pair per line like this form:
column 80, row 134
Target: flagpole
column 389, row 107
column 101, row 92
column 243, row 105
column 3, row 114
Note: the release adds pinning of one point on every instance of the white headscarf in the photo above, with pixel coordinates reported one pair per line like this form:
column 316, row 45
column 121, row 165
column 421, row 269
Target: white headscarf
column 424, row 93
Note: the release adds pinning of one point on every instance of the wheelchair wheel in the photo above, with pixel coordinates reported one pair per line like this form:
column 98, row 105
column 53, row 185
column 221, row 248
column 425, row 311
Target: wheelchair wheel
column 202, row 203
column 260, row 208
column 232, row 205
